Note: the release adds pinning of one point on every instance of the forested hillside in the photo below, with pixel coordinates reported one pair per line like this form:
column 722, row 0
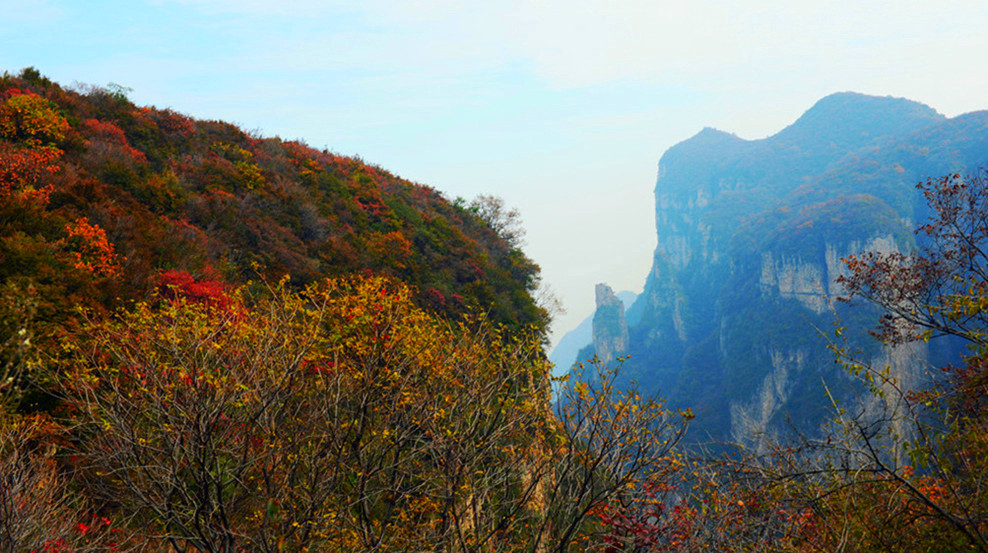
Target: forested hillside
column 101, row 198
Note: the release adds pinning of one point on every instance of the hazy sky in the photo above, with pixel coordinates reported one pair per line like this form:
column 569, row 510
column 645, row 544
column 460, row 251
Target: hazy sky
column 561, row 107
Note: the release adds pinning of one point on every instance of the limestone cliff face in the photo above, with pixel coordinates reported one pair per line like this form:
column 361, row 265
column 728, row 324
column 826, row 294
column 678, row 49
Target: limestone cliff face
column 610, row 329
column 683, row 237
column 751, row 418
column 811, row 282
column 568, row 349
column 750, row 237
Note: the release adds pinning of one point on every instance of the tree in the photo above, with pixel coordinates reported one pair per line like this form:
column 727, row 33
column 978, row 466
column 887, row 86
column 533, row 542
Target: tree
column 35, row 508
column 27, row 117
column 18, row 309
column 504, row 221
column 613, row 443
column 942, row 288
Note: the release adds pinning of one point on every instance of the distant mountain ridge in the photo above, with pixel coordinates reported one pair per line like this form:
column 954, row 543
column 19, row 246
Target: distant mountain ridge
column 750, row 234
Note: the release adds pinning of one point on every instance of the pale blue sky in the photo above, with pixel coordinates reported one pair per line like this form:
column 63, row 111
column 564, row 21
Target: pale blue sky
column 562, row 107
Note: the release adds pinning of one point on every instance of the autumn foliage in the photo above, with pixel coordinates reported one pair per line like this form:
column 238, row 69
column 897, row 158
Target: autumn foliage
column 341, row 418
column 135, row 244
column 90, row 249
column 181, row 286
column 172, row 193
column 198, row 409
column 27, row 117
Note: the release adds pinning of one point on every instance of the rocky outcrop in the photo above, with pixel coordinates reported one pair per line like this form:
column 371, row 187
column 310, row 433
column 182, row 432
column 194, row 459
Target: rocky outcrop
column 567, row 350
column 751, row 420
column 793, row 278
column 610, row 329
column 810, row 282
column 683, row 236
column 833, row 256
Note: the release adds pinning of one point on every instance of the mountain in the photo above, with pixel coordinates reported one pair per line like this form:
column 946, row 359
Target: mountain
column 565, row 353
column 750, row 237
column 101, row 198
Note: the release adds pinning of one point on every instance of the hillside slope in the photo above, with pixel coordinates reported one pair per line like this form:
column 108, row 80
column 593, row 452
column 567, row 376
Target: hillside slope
column 99, row 197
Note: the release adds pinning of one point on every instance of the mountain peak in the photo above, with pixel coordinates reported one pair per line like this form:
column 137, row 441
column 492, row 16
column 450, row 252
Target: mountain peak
column 853, row 115
column 710, row 135
column 704, row 143
column 850, row 99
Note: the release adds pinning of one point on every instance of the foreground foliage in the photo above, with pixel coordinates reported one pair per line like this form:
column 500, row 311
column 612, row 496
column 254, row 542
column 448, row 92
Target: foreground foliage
column 153, row 398
column 339, row 418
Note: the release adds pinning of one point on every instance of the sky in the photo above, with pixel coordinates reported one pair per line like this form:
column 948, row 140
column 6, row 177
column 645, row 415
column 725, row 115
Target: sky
column 561, row 107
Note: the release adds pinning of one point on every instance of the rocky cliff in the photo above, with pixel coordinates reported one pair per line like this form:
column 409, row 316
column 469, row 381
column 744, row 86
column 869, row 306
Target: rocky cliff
column 610, row 329
column 750, row 238
column 577, row 344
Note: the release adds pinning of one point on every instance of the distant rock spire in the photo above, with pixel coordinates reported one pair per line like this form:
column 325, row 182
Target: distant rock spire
column 610, row 330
